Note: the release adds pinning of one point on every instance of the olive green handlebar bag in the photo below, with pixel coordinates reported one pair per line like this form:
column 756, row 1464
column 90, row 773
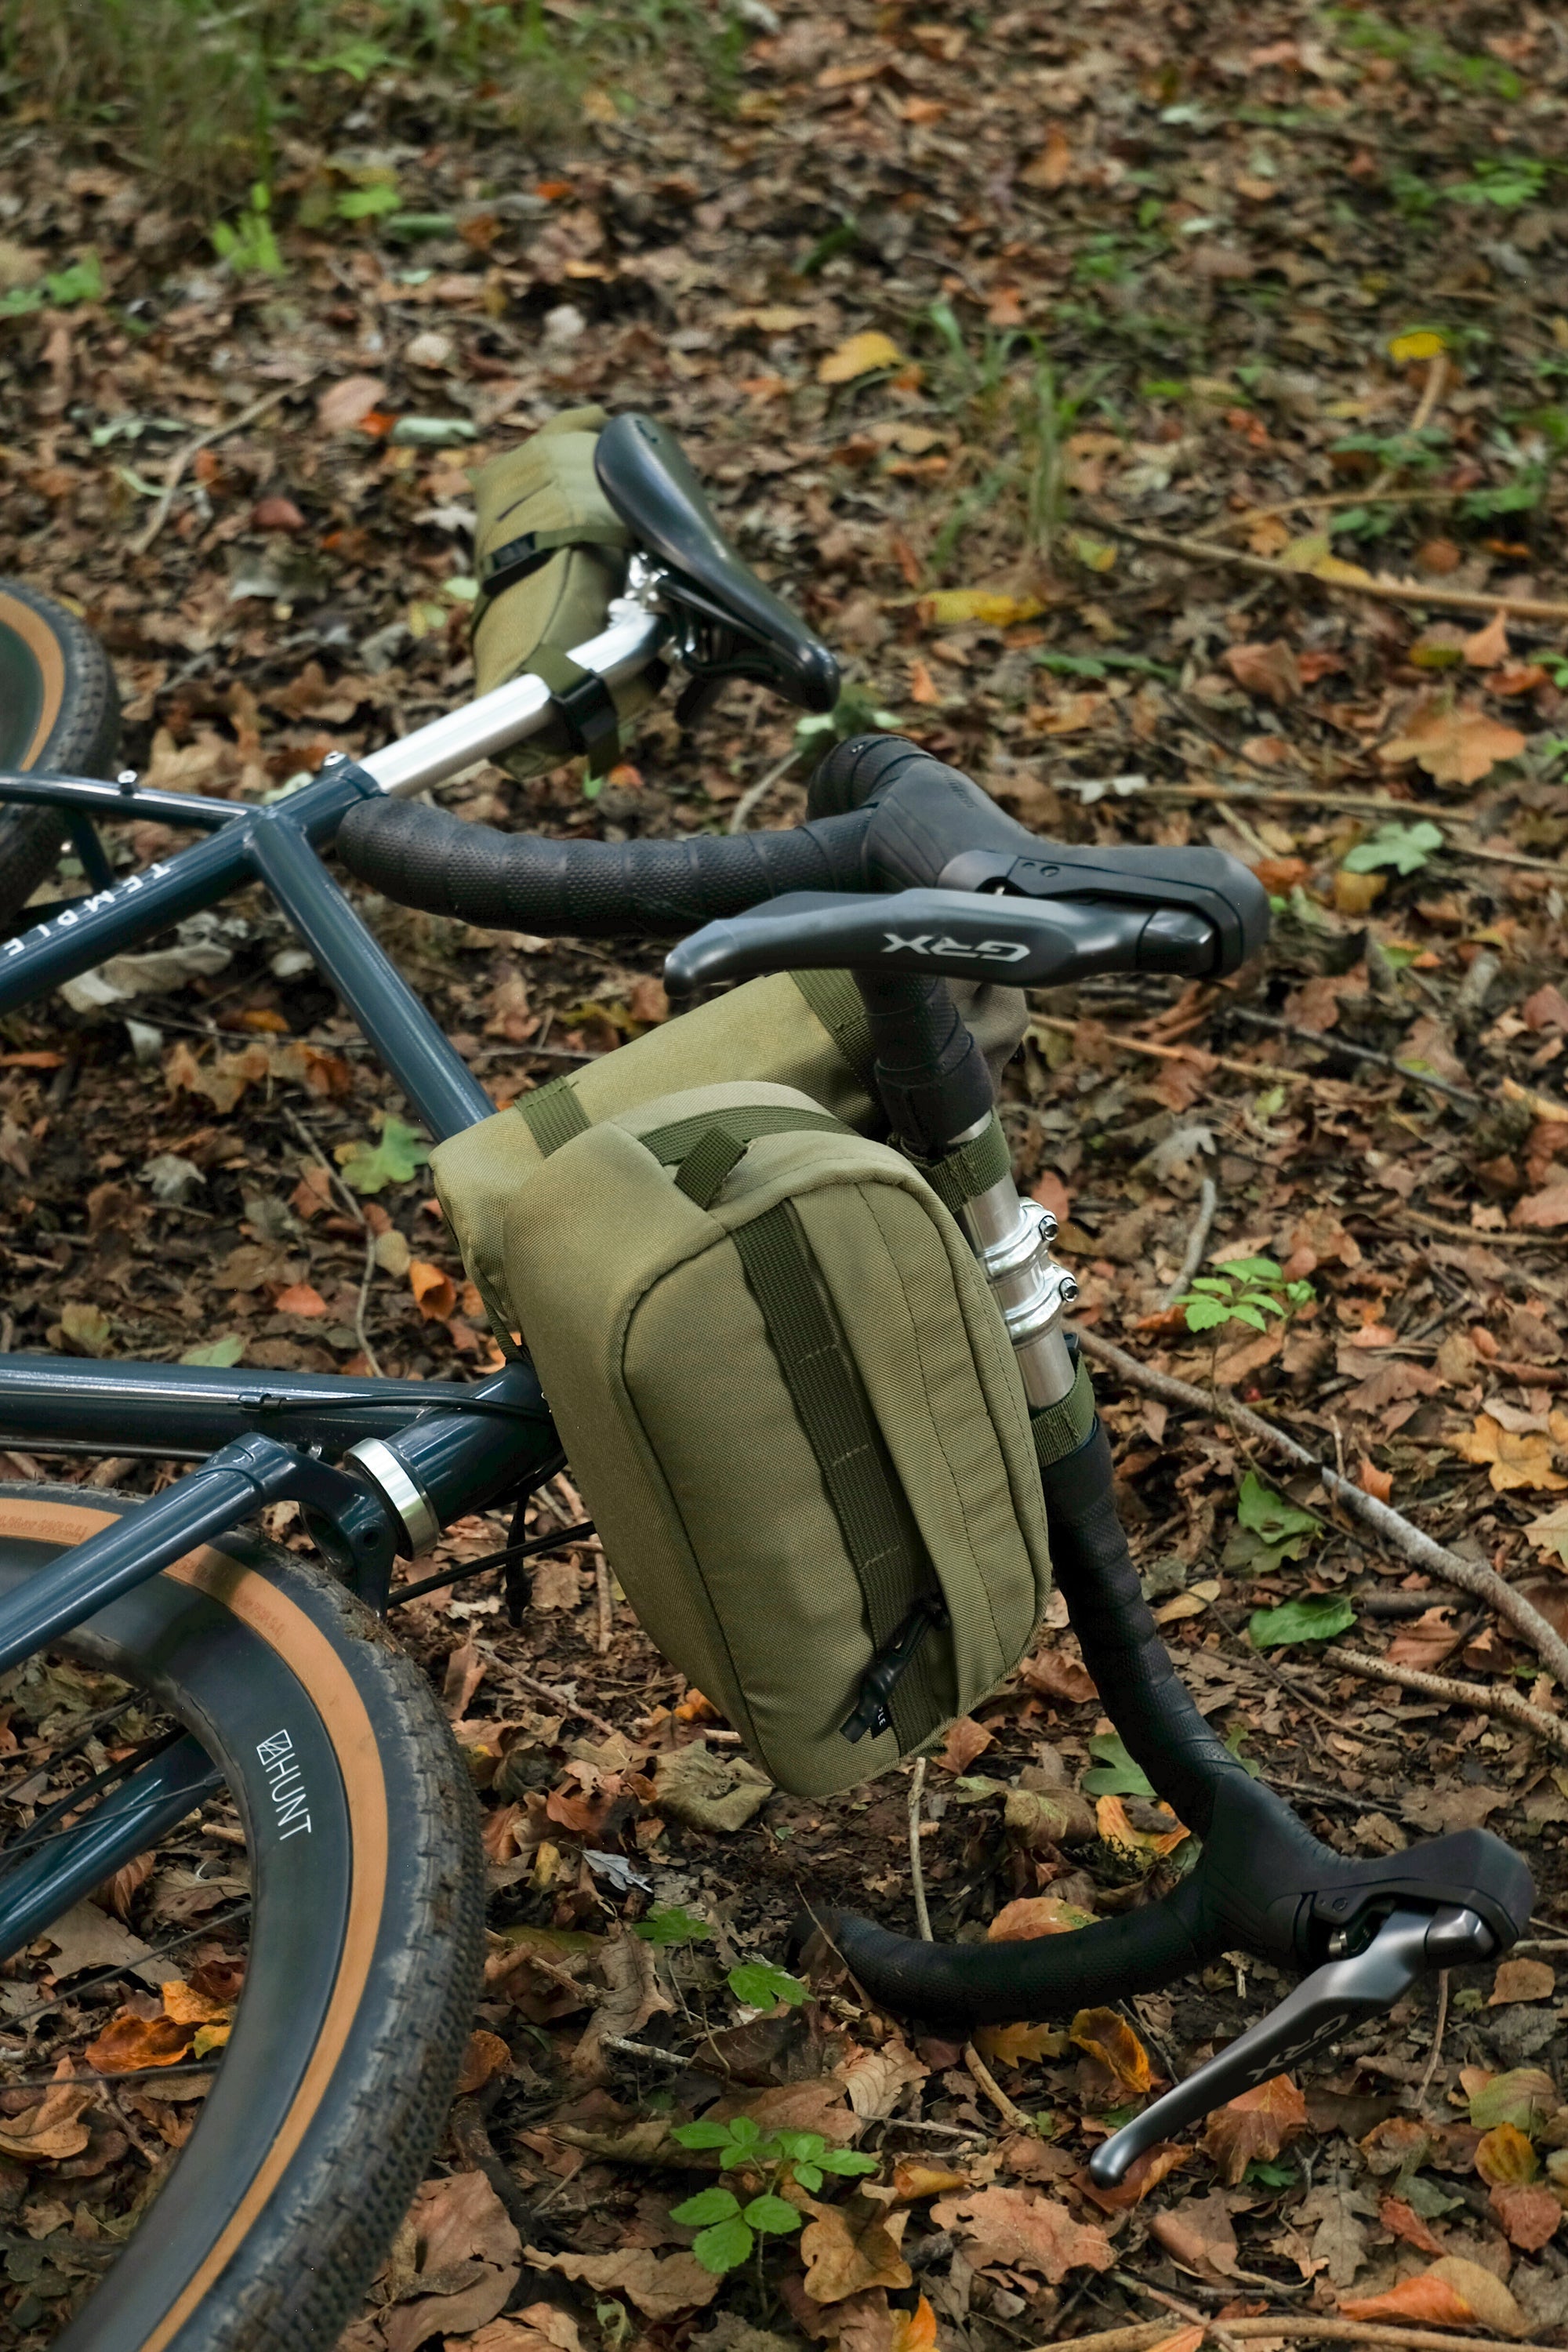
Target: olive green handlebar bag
column 550, row 553
column 790, row 1404
column 801, row 1029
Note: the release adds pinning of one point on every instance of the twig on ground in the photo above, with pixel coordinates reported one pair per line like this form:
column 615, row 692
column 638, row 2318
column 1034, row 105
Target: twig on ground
column 471, row 2136
column 1325, row 1044
column 994, row 2091
column 1453, row 1693
column 1390, row 592
column 1222, row 2336
column 643, row 2050
column 1299, row 2328
column 182, row 457
column 916, row 1868
column 756, row 792
column 1437, row 2050
column 559, row 1699
column 1197, row 1239
column 361, row 1306
column 1401, row 1535
column 1261, row 1071
column 1431, row 393
column 606, row 1602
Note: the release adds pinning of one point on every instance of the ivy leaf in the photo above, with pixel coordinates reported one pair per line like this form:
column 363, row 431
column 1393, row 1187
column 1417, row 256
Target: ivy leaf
column 372, row 1168
column 1207, row 1315
column 1115, row 1773
column 807, row 2177
column 708, row 2206
column 1315, row 1617
column 724, row 2247
column 760, row 1985
column 672, row 1926
column 775, row 2217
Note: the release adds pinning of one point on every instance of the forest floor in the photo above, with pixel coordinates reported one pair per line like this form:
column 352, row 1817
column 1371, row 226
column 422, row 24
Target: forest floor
column 966, row 316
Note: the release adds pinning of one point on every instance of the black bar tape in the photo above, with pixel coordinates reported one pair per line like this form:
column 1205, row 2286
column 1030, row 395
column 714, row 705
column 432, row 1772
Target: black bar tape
column 426, row 857
column 932, row 1076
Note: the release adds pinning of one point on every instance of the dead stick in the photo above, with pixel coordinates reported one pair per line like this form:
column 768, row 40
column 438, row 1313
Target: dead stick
column 1259, row 1070
column 917, row 1867
column 1401, row 1535
column 1381, row 803
column 1437, row 2050
column 1198, row 1239
column 1388, row 592
column 182, row 457
column 1453, row 1693
column 1144, row 2335
column 995, row 2093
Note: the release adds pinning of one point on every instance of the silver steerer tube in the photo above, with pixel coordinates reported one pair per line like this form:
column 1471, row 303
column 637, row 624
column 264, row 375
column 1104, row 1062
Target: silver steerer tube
column 1012, row 1238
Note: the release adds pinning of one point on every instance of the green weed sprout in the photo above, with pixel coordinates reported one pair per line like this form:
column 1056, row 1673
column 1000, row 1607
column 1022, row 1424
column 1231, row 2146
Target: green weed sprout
column 247, row 243
column 1244, row 1290
column 727, row 2230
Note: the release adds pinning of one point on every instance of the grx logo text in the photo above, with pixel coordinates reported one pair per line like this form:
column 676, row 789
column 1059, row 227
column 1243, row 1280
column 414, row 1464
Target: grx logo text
column 923, row 943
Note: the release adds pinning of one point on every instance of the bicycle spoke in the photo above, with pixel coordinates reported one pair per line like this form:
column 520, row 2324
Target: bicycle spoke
column 74, row 1797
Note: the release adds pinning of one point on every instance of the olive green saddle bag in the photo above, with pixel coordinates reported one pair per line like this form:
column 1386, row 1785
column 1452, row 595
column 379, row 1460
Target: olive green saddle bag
column 789, row 1401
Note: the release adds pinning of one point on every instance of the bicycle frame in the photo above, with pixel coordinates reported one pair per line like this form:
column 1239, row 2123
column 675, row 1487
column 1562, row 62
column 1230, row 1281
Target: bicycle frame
column 423, row 1452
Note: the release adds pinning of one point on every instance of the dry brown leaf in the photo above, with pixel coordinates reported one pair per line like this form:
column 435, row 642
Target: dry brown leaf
column 709, row 1791
column 1038, row 1819
column 1018, row 2229
column 845, row 2249
column 661, row 2285
column 915, row 2179
column 1257, row 2124
column 1512, row 1459
column 539, row 2327
column 629, row 1968
column 1451, row 2293
column 1522, row 1981
column 1505, row 2157
column 1018, row 2045
column 1143, row 2175
column 129, row 2041
column 345, row 405
column 874, row 2079
column 467, row 2260
column 126, row 1881
column 1488, row 647
column 187, row 2004
column 1403, row 2221
column 1052, row 167
column 1052, row 1675
column 1036, row 1914
column 52, row 2130
column 1198, row 2235
column 1269, row 670
column 1455, row 742
column 1541, row 1212
column 484, row 2057
column 434, row 1292
column 965, row 1741
column 1529, row 2216
column 1116, row 1827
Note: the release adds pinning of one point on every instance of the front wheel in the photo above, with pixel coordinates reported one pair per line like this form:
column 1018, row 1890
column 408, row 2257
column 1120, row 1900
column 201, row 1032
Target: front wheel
column 58, row 709
column 365, row 1928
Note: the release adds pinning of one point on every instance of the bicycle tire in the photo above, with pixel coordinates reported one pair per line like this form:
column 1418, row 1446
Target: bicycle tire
column 366, row 1943
column 59, row 708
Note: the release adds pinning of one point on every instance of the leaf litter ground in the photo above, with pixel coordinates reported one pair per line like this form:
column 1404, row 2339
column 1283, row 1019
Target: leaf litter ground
column 949, row 310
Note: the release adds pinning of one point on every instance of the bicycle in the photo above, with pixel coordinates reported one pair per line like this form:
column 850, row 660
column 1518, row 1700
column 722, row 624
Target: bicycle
column 280, row 1681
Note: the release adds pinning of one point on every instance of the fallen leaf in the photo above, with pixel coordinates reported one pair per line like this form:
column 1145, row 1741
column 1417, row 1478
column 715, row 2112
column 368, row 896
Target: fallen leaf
column 1529, row 2216
column 434, row 1292
column 1403, row 2221
column 1105, row 2034
column 1549, row 1533
column 466, row 2260
column 1116, row 1828
column 1019, row 2044
column 539, row 2327
column 1036, row 1819
column 1378, row 1484
column 1488, row 647
column 1058, row 1677
column 874, row 2080
column 924, row 688
column 187, row 2004
column 1142, row 2176
column 1186, row 2339
column 1420, row 343
column 344, row 405
column 1505, row 2158
column 1036, row 1914
column 1512, row 1459
column 965, row 1741
column 945, row 608
column 485, row 2056
column 299, row 1298
column 709, row 1791
column 1019, row 2229
column 914, row 2331
column 128, row 2042
column 915, row 2179
column 1522, row 1981
column 661, row 2287
column 845, row 2252
column 1455, row 742
column 85, row 1329
column 1052, row 167
column 1540, row 1211
column 1270, row 670
column 858, row 357
column 53, row 2129
column 1451, row 2293
column 1198, row 2235
column 1257, row 2124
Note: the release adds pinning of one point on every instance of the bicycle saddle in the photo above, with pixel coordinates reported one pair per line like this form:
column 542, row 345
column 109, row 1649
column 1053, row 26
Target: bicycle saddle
column 734, row 626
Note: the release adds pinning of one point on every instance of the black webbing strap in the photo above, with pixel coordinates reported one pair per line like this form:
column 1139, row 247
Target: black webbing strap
column 553, row 1115
column 586, row 706
column 504, row 566
column 838, row 1004
column 890, row 1562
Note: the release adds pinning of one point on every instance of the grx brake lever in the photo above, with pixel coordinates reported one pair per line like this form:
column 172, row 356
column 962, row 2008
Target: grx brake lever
column 1319, row 2010
column 952, row 931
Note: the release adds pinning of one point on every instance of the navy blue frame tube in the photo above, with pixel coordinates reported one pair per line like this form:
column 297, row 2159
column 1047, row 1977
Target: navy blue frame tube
column 38, row 1887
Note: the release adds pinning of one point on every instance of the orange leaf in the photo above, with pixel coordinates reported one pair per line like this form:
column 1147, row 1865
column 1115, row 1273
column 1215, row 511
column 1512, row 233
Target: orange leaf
column 485, row 2056
column 1111, row 1818
column 1255, row 2125
column 187, row 2004
column 1451, row 2293
column 1404, row 2222
column 1106, row 2035
column 1505, row 2158
column 1270, row 670
column 1529, row 2216
column 1378, row 1484
column 913, row 2180
column 299, row 1298
column 1488, row 647
column 1036, row 1914
column 1053, row 166
column 1522, row 1981
column 1143, row 2174
column 1456, row 743
column 914, row 2331
column 129, row 2041
column 1017, row 2044
column 964, row 1742
column 924, row 688
column 435, row 1293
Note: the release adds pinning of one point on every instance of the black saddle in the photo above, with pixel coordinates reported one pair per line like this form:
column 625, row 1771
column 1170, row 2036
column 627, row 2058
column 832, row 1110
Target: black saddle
column 732, row 626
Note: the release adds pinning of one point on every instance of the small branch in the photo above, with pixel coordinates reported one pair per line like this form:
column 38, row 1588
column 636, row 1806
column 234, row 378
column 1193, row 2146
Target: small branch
column 1197, row 1239
column 995, row 2093
column 916, row 1868
column 648, row 2050
column 182, row 457
column 358, row 1215
column 1436, row 2040
column 1298, row 2328
column 559, row 1699
column 1325, row 1044
column 757, row 792
column 1400, row 1533
column 1388, row 592
column 606, row 1602
column 1261, row 1071
column 1453, row 1693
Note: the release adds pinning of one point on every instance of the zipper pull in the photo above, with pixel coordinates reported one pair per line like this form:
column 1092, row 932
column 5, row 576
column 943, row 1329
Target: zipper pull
column 872, row 1713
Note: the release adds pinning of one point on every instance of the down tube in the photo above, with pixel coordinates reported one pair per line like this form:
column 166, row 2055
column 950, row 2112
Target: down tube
column 96, row 928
